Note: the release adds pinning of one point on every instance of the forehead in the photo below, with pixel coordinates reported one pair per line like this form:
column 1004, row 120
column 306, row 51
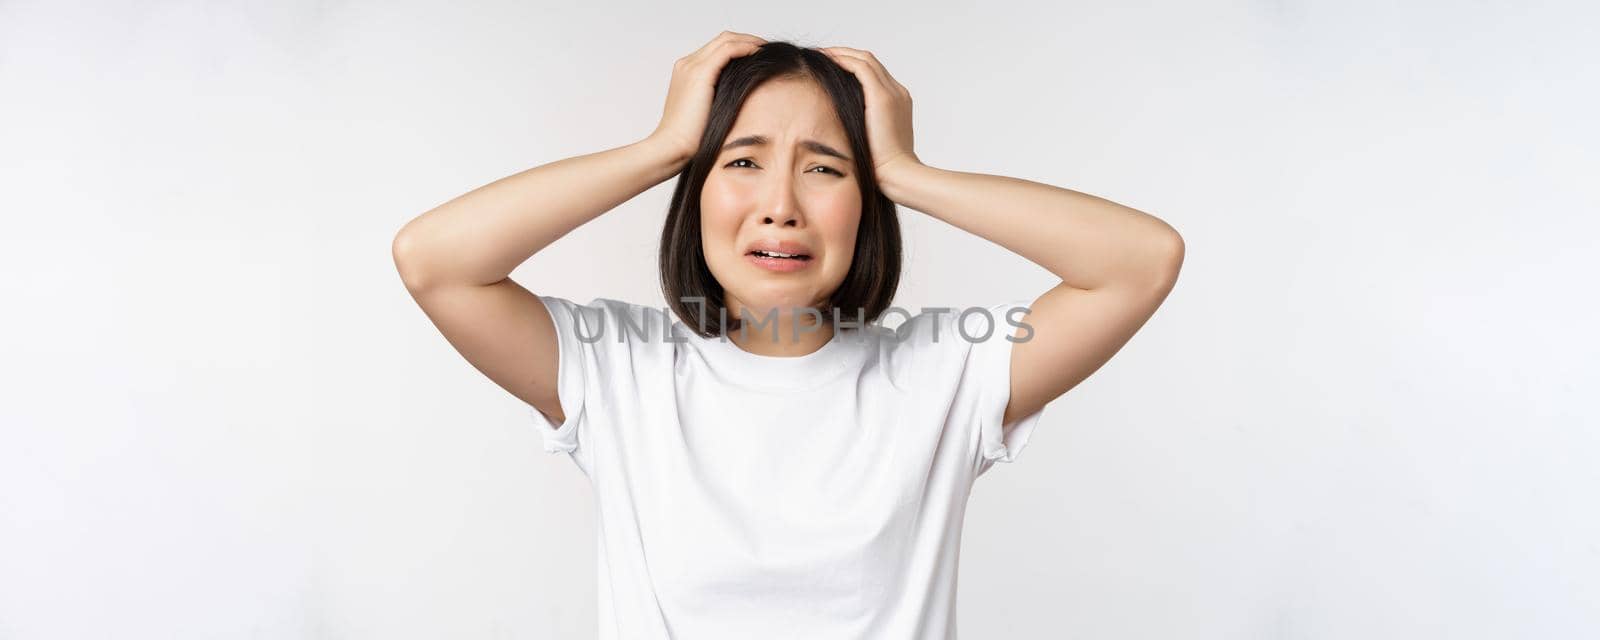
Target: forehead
column 788, row 107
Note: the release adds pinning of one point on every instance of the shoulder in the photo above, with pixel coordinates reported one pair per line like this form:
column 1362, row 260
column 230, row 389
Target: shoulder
column 606, row 323
column 932, row 328
column 922, row 350
column 610, row 310
column 595, row 307
column 935, row 338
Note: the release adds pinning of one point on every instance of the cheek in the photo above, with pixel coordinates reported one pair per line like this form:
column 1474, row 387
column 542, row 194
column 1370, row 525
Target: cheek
column 835, row 202
column 721, row 199
column 837, row 216
column 720, row 207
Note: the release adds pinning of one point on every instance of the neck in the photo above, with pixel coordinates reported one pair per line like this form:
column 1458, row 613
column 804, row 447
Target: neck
column 781, row 333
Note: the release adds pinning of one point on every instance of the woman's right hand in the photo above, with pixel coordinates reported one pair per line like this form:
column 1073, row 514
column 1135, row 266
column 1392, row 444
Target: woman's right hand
column 694, row 79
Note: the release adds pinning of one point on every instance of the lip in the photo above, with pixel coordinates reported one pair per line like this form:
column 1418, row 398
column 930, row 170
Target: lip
column 780, row 246
column 781, row 265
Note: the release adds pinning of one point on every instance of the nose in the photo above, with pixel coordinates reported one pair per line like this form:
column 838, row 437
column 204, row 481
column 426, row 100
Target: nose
column 782, row 206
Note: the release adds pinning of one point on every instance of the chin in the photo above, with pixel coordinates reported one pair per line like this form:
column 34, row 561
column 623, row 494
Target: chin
column 762, row 297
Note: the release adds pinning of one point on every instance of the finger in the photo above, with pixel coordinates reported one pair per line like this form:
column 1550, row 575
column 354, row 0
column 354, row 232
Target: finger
column 734, row 49
column 871, row 82
column 722, row 39
column 884, row 77
column 735, row 45
column 743, row 40
column 721, row 52
column 854, row 60
column 730, row 36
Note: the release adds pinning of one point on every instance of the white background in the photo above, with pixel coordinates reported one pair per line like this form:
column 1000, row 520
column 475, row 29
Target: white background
column 1366, row 411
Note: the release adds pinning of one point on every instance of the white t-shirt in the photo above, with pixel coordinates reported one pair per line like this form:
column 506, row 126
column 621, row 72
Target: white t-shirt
column 748, row 496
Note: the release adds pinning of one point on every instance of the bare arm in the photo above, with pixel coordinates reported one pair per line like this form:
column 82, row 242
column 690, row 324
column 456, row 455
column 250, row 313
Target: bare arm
column 481, row 236
column 1117, row 264
column 456, row 258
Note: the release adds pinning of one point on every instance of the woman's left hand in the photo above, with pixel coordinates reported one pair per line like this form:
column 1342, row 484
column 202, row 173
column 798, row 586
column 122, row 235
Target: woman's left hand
column 888, row 111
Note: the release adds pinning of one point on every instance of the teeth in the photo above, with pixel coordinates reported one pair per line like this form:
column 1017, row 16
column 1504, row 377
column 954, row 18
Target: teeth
column 775, row 254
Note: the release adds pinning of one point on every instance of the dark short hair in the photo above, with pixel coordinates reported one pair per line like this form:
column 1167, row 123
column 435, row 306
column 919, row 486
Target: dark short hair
column 869, row 286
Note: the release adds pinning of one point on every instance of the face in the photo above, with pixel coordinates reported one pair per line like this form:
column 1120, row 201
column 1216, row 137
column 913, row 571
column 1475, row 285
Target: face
column 777, row 186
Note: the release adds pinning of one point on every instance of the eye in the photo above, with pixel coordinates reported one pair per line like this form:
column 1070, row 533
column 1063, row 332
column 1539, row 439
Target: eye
column 825, row 168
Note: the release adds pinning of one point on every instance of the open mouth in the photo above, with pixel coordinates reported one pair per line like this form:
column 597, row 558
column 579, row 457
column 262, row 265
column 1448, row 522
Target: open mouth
column 780, row 256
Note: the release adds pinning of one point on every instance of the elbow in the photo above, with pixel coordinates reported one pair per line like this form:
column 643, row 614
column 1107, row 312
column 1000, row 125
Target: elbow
column 1174, row 252
column 1170, row 260
column 404, row 249
column 1163, row 260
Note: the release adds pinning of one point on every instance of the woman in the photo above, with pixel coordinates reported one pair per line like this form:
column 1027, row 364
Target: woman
column 768, row 460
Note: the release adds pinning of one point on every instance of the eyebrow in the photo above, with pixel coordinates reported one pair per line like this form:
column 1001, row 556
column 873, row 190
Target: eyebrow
column 809, row 145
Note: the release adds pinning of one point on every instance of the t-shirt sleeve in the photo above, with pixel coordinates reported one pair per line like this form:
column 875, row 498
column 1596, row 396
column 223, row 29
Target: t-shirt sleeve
column 988, row 370
column 582, row 334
